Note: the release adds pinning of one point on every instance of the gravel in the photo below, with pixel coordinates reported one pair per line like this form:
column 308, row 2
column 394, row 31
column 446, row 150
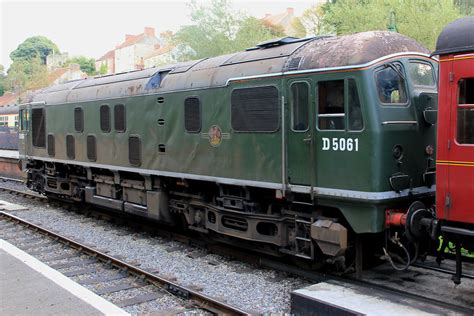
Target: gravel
column 239, row 284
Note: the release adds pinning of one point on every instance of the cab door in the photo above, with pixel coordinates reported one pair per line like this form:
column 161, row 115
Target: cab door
column 459, row 206
column 24, row 130
column 300, row 132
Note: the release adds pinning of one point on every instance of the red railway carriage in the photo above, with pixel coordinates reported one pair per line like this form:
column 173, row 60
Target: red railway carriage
column 455, row 149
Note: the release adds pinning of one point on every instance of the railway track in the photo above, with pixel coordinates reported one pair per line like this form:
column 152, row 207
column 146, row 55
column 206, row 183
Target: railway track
column 372, row 279
column 111, row 268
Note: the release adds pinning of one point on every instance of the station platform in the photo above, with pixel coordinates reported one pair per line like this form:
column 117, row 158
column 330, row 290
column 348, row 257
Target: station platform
column 9, row 164
column 29, row 287
column 337, row 298
column 11, row 154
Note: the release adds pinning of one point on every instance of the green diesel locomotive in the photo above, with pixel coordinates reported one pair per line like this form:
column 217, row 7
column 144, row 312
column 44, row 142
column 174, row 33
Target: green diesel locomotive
column 293, row 147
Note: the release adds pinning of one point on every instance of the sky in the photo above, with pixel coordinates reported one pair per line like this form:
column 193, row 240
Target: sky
column 92, row 28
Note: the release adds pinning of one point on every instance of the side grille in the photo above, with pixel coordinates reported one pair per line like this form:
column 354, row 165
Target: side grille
column 134, row 151
column 70, row 147
column 119, row 118
column 78, row 120
column 51, row 145
column 91, row 148
column 105, row 118
column 192, row 115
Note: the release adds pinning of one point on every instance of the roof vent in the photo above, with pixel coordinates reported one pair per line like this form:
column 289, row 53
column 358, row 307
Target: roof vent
column 278, row 42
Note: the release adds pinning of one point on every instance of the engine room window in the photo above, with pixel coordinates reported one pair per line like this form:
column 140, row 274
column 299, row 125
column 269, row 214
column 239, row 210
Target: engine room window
column 192, row 115
column 255, row 109
column 79, row 120
column 120, row 118
column 465, row 111
column 356, row 123
column 421, row 74
column 105, row 118
column 38, row 127
column 391, row 85
column 300, row 106
column 331, row 105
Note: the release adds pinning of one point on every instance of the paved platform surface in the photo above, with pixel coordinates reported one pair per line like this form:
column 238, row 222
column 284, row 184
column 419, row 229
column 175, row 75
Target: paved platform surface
column 13, row 154
column 336, row 298
column 29, row 287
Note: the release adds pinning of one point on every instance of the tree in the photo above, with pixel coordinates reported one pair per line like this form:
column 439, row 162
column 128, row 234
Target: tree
column 217, row 30
column 36, row 46
column 312, row 20
column 86, row 64
column 422, row 20
column 103, row 69
column 26, row 74
column 2, row 80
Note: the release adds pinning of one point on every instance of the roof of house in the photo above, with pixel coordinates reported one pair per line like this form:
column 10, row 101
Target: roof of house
column 8, row 98
column 140, row 38
column 109, row 55
column 57, row 73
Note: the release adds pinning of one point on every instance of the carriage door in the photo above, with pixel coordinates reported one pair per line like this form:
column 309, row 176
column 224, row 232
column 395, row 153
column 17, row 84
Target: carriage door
column 461, row 152
column 300, row 131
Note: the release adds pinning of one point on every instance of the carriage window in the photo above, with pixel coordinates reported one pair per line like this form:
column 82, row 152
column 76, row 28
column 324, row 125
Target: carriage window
column 391, row 84
column 255, row 109
column 356, row 122
column 300, row 106
column 331, row 105
column 192, row 115
column 465, row 111
column 421, row 74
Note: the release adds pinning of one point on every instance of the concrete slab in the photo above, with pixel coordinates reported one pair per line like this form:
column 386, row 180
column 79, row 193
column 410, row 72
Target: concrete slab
column 12, row 154
column 336, row 298
column 29, row 287
column 7, row 206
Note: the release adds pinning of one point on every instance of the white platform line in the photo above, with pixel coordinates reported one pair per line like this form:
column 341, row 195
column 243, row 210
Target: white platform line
column 75, row 289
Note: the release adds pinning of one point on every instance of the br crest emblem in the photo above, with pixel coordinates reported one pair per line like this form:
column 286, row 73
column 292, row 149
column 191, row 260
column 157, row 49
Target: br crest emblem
column 215, row 136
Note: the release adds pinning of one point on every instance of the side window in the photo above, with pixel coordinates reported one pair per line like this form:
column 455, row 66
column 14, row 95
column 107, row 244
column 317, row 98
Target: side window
column 390, row 83
column 120, row 118
column 24, row 120
column 38, row 127
column 331, row 105
column 300, row 106
column 356, row 123
column 79, row 120
column 192, row 115
column 421, row 74
column 255, row 109
column 105, row 118
column 465, row 111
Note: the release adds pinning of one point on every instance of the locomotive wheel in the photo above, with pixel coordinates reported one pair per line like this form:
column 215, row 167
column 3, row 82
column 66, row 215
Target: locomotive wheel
column 415, row 230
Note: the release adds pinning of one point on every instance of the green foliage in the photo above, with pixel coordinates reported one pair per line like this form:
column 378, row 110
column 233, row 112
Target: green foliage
column 26, row 75
column 312, row 20
column 217, row 30
column 103, row 69
column 2, row 80
column 87, row 65
column 33, row 47
column 422, row 20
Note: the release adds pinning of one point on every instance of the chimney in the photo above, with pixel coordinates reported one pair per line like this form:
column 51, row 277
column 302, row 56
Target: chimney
column 149, row 31
column 290, row 11
column 129, row 37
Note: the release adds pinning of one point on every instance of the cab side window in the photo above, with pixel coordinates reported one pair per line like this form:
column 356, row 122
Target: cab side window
column 331, row 113
column 300, row 106
column 390, row 82
column 356, row 123
column 465, row 111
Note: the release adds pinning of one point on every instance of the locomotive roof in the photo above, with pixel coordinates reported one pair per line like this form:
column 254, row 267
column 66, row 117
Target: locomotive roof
column 268, row 58
column 456, row 37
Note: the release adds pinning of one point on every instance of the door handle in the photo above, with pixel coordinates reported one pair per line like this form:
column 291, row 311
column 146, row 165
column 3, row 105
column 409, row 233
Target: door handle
column 308, row 138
